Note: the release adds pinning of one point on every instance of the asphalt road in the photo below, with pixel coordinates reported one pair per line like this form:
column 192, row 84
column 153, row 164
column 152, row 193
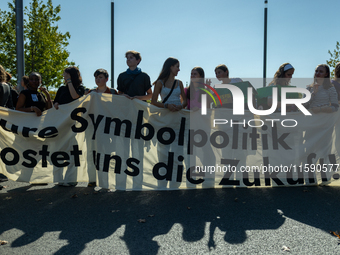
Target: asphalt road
column 81, row 220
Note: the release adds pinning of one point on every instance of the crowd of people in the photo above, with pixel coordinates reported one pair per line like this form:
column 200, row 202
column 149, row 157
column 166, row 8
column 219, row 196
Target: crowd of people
column 135, row 84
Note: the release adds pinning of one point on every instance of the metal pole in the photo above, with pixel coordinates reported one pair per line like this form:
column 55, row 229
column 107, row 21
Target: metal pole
column 19, row 25
column 112, row 44
column 265, row 43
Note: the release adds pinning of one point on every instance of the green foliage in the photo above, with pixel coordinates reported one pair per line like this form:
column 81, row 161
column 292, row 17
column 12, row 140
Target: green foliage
column 335, row 58
column 52, row 93
column 45, row 46
column 7, row 42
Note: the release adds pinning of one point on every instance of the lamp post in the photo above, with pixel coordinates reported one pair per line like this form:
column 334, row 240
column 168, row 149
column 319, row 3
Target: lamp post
column 265, row 43
column 112, row 44
column 19, row 30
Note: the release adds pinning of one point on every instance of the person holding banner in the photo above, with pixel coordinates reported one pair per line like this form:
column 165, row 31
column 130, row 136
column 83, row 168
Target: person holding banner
column 133, row 83
column 170, row 90
column 101, row 77
column 324, row 97
column 336, row 81
column 173, row 98
column 31, row 100
column 72, row 90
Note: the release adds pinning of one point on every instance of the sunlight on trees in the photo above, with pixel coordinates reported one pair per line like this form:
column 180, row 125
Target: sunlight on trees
column 45, row 46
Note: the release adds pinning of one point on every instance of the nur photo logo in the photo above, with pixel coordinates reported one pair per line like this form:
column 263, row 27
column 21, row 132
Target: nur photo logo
column 238, row 103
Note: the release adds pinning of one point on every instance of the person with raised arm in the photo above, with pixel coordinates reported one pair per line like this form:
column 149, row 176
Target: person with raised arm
column 72, row 90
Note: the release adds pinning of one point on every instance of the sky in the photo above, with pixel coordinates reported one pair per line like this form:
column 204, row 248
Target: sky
column 199, row 33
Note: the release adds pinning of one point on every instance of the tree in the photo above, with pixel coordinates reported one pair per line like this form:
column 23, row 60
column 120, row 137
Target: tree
column 335, row 57
column 45, row 46
column 7, row 42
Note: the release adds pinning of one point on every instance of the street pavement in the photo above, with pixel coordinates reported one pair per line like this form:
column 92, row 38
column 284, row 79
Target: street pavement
column 81, row 220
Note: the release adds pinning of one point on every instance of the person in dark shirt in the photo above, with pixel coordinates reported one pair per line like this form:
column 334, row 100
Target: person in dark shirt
column 67, row 93
column 72, row 89
column 31, row 100
column 133, row 83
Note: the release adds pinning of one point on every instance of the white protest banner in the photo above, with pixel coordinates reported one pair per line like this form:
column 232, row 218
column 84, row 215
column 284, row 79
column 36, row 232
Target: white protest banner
column 131, row 145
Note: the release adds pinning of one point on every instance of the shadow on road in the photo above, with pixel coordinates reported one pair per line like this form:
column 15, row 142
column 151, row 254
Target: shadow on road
column 83, row 215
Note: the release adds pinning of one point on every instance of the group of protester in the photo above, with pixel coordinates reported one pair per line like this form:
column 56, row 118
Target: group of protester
column 135, row 84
